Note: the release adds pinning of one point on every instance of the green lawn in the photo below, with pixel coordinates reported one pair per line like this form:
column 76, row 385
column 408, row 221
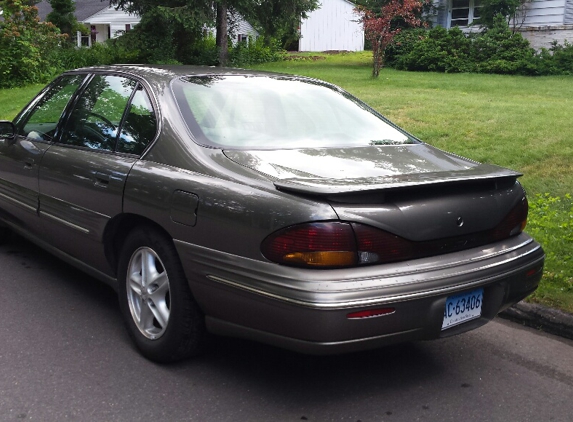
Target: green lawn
column 519, row 122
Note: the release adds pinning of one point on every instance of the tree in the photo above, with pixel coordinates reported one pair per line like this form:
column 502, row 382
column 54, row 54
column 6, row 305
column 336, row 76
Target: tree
column 276, row 19
column 381, row 26
column 26, row 45
column 62, row 15
column 170, row 27
column 222, row 33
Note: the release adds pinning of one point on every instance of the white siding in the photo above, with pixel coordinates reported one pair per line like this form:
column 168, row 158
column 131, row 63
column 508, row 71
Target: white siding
column 568, row 12
column 242, row 29
column 544, row 13
column 102, row 32
column 333, row 26
column 113, row 19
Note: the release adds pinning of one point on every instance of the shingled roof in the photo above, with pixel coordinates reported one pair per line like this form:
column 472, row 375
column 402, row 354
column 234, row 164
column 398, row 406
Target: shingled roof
column 84, row 8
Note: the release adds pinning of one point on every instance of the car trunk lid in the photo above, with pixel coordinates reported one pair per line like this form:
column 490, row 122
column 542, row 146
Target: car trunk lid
column 414, row 191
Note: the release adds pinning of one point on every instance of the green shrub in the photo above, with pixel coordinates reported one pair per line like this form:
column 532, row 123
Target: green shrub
column 440, row 51
column 202, row 52
column 562, row 58
column 495, row 50
column 26, row 45
column 403, row 43
column 98, row 54
column 255, row 51
column 499, row 50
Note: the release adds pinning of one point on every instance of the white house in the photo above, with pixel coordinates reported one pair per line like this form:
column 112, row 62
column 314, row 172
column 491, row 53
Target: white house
column 103, row 21
column 109, row 23
column 333, row 26
column 543, row 21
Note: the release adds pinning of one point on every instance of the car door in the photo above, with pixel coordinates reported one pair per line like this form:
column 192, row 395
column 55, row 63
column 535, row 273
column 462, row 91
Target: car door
column 82, row 176
column 20, row 158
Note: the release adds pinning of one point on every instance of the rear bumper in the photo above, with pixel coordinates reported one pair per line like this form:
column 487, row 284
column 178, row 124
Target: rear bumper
column 306, row 310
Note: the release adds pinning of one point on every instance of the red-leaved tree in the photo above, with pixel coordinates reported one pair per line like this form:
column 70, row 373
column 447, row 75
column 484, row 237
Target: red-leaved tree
column 380, row 27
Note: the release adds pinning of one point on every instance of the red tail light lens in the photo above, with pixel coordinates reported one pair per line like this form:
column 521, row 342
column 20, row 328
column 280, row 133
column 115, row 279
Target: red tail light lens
column 514, row 223
column 325, row 244
column 334, row 245
column 378, row 246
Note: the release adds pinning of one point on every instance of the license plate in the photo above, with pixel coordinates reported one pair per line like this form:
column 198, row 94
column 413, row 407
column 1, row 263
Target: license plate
column 461, row 308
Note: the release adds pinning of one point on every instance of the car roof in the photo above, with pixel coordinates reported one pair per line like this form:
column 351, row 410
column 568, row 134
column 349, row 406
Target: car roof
column 165, row 73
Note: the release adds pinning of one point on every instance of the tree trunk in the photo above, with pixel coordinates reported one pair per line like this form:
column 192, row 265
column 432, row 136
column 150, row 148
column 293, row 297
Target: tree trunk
column 222, row 38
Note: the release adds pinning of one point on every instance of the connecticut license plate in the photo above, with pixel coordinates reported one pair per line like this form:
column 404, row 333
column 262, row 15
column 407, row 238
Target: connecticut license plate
column 463, row 307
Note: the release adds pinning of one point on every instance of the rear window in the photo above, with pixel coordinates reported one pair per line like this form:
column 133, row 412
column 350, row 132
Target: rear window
column 260, row 112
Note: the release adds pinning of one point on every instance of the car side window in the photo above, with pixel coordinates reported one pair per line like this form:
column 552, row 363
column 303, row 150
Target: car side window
column 97, row 115
column 43, row 120
column 140, row 125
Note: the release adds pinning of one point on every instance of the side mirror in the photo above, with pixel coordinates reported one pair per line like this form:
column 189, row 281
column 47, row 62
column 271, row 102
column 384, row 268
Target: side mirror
column 7, row 130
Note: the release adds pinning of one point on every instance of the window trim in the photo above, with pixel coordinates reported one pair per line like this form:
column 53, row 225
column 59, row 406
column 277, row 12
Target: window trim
column 471, row 8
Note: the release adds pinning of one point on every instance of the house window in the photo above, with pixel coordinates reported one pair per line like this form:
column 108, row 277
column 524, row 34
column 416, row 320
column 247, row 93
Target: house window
column 127, row 27
column 243, row 38
column 464, row 12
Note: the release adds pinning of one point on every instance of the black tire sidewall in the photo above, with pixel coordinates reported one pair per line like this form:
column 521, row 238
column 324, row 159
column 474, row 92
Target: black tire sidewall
column 184, row 335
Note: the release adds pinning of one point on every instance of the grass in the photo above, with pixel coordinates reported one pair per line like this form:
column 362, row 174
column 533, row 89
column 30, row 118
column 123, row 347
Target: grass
column 13, row 100
column 519, row 122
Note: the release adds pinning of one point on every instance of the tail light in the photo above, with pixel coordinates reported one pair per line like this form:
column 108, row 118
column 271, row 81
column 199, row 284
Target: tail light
column 514, row 222
column 325, row 244
column 335, row 244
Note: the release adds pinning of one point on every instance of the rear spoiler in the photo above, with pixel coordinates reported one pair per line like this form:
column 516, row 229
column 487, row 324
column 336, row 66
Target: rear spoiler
column 328, row 187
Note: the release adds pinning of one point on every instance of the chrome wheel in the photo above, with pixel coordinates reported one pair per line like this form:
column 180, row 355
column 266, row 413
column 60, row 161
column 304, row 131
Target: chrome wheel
column 148, row 293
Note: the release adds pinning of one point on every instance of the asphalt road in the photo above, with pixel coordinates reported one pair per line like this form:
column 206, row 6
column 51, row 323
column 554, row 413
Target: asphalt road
column 65, row 356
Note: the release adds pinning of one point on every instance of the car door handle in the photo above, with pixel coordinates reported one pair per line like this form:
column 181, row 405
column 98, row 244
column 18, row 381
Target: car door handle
column 28, row 165
column 101, row 180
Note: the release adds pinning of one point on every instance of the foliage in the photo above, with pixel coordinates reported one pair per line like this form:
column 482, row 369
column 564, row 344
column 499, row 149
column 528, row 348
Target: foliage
column 172, row 30
column 499, row 50
column 277, row 19
column 550, row 222
column 495, row 50
column 26, row 45
column 168, row 29
column 439, row 50
column 256, row 51
column 203, row 52
column 428, row 10
column 380, row 25
column 62, row 16
column 109, row 52
column 558, row 60
column 511, row 10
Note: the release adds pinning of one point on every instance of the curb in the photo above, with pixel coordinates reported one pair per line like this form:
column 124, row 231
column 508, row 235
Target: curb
column 549, row 320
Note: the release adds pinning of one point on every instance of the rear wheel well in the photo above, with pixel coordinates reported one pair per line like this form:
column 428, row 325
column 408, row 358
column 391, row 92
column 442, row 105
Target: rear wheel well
column 117, row 231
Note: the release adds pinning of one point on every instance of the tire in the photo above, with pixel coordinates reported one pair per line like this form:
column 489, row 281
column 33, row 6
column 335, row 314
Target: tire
column 158, row 308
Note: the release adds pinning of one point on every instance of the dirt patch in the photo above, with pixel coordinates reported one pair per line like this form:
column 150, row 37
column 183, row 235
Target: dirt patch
column 297, row 57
